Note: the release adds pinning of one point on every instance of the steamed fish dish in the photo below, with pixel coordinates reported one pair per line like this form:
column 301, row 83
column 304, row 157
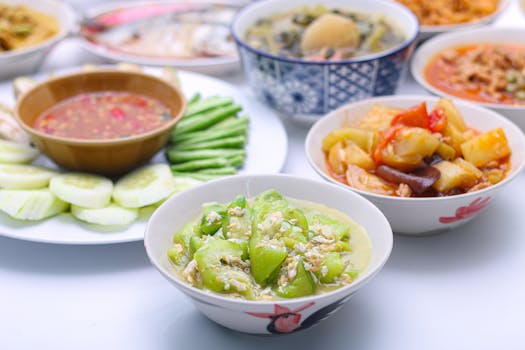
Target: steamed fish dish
column 319, row 34
column 270, row 247
column 165, row 31
column 22, row 27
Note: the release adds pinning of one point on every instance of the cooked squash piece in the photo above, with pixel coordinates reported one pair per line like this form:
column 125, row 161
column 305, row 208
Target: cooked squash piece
column 453, row 115
column 363, row 138
column 378, row 118
column 486, row 147
column 353, row 154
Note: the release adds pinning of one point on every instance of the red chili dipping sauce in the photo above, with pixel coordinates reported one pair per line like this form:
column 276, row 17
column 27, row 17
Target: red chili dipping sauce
column 103, row 116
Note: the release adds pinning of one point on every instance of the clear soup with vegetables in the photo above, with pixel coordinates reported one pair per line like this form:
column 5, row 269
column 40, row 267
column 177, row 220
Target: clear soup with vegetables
column 269, row 248
column 319, row 34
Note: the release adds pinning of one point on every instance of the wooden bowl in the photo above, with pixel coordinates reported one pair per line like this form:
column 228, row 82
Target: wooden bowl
column 106, row 157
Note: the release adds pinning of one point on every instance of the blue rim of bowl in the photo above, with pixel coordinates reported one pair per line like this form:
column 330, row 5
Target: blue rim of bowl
column 405, row 44
column 323, row 174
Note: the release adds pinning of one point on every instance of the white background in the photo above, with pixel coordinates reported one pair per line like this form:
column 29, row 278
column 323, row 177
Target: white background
column 464, row 289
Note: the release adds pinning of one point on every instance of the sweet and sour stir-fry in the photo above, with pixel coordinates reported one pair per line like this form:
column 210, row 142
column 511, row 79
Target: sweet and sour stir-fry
column 416, row 153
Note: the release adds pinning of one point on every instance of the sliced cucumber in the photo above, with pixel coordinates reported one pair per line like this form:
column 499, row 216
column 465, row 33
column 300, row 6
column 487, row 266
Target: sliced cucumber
column 112, row 215
column 24, row 177
column 182, row 183
column 16, row 152
column 31, row 204
column 144, row 186
column 84, row 190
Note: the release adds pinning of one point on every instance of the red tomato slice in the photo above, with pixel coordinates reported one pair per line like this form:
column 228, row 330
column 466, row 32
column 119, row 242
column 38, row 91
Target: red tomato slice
column 416, row 116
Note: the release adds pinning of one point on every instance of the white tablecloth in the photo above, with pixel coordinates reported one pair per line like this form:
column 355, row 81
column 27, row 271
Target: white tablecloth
column 464, row 289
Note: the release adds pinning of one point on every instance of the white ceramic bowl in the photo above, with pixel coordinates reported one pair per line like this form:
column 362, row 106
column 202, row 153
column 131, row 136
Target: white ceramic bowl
column 306, row 90
column 27, row 60
column 234, row 313
column 422, row 56
column 418, row 216
column 427, row 31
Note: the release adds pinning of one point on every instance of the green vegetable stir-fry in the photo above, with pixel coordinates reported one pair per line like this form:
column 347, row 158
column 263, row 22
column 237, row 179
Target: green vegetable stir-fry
column 270, row 248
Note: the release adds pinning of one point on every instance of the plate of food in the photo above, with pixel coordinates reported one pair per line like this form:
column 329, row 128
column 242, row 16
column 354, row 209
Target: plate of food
column 192, row 35
column 484, row 66
column 439, row 16
column 244, row 148
column 28, row 31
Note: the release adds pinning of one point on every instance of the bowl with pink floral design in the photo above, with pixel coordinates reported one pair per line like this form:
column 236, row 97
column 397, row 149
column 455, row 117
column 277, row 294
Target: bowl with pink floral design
column 429, row 164
column 267, row 311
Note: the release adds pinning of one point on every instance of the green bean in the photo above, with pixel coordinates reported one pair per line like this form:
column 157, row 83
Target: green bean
column 228, row 142
column 206, row 105
column 199, row 164
column 208, row 135
column 236, row 161
column 205, row 120
column 176, row 156
column 197, row 175
column 227, row 170
column 194, row 99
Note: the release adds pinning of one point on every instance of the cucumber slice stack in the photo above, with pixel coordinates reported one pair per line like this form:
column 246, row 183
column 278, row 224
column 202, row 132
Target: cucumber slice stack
column 31, row 204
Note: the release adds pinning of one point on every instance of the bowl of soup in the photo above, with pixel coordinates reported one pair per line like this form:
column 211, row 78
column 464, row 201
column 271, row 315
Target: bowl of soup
column 484, row 66
column 305, row 57
column 268, row 254
column 29, row 30
column 105, row 121
column 429, row 164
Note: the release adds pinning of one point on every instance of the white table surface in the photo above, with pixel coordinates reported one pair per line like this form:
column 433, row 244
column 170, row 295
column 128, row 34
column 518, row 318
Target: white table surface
column 464, row 289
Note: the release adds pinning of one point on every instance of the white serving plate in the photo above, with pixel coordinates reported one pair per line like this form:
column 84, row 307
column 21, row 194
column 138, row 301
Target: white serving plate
column 208, row 65
column 266, row 153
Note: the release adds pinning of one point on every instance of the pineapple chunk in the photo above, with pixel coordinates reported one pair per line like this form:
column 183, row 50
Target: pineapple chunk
column 453, row 115
column 379, row 117
column 409, row 147
column 469, row 167
column 454, row 136
column 486, row 147
column 363, row 138
column 453, row 176
column 445, row 151
column 353, row 154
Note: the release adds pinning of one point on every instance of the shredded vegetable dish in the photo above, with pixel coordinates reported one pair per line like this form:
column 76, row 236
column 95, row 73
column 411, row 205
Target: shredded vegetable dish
column 443, row 12
column 22, row 27
column 270, row 247
column 493, row 73
column 319, row 34
column 416, row 153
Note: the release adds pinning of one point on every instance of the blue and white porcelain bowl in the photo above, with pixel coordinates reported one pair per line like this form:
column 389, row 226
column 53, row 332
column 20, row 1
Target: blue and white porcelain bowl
column 306, row 89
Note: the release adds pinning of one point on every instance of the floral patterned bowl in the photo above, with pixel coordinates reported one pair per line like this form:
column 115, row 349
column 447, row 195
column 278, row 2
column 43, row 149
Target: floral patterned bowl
column 307, row 90
column 419, row 216
column 266, row 317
